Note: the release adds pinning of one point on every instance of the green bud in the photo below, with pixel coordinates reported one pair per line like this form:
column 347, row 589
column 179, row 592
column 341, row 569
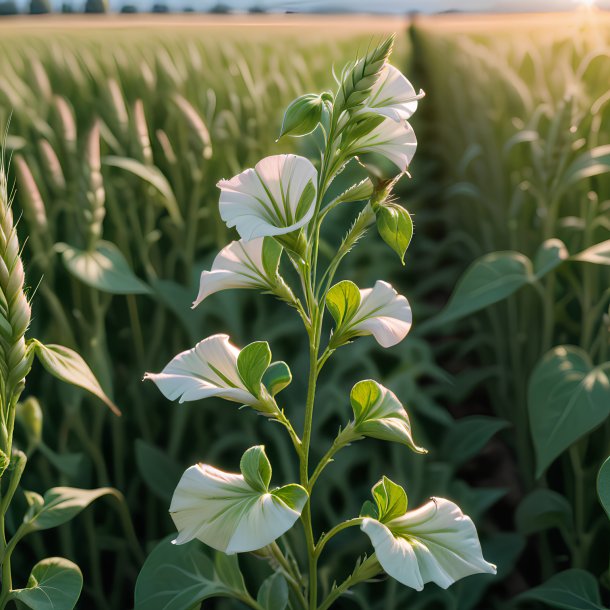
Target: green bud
column 395, row 227
column 302, row 115
column 29, row 415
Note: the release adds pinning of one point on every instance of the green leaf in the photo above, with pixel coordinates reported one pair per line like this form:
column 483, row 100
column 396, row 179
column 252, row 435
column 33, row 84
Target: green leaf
column 390, row 498
column 160, row 472
column 273, row 594
column 603, row 486
column 179, row 577
column 272, row 252
column 395, row 227
column 488, row 280
column 256, row 468
column 252, row 362
column 228, row 572
column 593, row 162
column 343, row 300
column 567, row 398
column 302, row 115
column 569, row 590
column 68, row 366
column 293, row 495
column 154, row 177
column 468, row 435
column 61, row 504
column 104, row 268
column 54, row 584
column 67, row 463
column 598, row 254
column 543, row 509
column 277, row 377
column 549, row 256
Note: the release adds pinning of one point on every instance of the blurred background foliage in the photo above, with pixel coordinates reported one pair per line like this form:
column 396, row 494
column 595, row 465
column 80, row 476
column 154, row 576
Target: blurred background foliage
column 118, row 138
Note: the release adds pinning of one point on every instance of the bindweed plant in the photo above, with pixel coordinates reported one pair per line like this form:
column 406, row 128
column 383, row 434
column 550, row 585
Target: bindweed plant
column 54, row 582
column 279, row 208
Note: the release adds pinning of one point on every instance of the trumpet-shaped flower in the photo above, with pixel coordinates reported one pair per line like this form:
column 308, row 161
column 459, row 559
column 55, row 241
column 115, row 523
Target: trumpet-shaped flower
column 379, row 311
column 235, row 513
column 392, row 96
column 434, row 543
column 379, row 414
column 208, row 369
column 275, row 198
column 394, row 140
column 241, row 264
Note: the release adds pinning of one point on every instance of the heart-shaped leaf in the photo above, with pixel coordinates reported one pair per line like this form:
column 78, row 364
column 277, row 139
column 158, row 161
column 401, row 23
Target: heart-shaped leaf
column 273, row 594
column 54, row 584
column 104, row 268
column 567, row 398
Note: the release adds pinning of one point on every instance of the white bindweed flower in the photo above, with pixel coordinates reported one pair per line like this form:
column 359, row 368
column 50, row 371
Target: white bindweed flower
column 392, row 96
column 394, row 140
column 241, row 264
column 208, row 369
column 235, row 513
column 434, row 543
column 277, row 197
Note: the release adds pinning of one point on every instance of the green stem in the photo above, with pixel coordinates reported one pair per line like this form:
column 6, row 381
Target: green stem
column 334, row 531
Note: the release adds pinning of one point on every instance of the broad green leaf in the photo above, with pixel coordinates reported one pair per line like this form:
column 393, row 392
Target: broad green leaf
column 256, row 468
column 154, row 177
column 543, row 509
column 61, row 504
column 395, row 227
column 54, row 584
column 598, row 254
column 549, row 256
column 273, row 594
column 468, row 435
column 603, row 486
column 252, row 362
column 68, row 366
column 390, row 498
column 343, row 300
column 104, row 268
column 179, row 577
column 569, row 590
column 488, row 280
column 567, row 398
column 227, row 569
column 277, row 377
column 593, row 162
column 160, row 472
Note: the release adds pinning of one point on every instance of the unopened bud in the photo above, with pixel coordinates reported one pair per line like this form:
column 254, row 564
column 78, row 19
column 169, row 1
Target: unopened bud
column 302, row 115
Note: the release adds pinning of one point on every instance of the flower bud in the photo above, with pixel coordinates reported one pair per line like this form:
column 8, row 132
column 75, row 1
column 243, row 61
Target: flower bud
column 302, row 115
column 395, row 227
column 29, row 415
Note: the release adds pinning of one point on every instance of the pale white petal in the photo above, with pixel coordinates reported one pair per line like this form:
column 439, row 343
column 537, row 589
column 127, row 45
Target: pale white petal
column 395, row 554
column 394, row 140
column 444, row 541
column 392, row 96
column 209, row 369
column 383, row 313
column 224, row 512
column 264, row 200
column 238, row 265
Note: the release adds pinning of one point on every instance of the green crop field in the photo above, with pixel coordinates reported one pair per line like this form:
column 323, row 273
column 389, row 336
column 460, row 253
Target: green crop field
column 118, row 130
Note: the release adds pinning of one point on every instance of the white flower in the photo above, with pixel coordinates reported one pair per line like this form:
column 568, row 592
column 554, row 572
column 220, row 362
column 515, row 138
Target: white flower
column 277, row 197
column 394, row 140
column 379, row 414
column 383, row 313
column 209, row 369
column 241, row 264
column 435, row 543
column 392, row 96
column 234, row 513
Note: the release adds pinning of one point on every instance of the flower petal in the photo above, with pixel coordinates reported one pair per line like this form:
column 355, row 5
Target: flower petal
column 444, row 542
column 238, row 265
column 275, row 198
column 223, row 511
column 384, row 314
column 394, row 140
column 392, row 96
column 209, row 369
